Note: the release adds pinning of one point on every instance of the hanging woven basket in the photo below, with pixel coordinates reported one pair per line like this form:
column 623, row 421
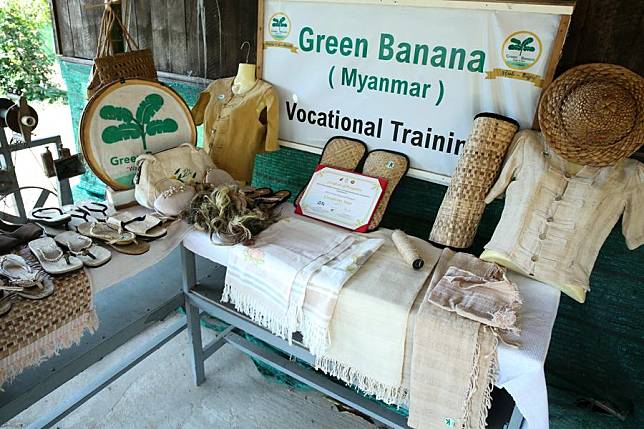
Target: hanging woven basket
column 110, row 67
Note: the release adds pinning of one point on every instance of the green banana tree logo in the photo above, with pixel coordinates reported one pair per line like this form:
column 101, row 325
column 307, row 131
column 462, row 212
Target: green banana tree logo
column 136, row 126
column 521, row 45
column 280, row 26
column 279, row 23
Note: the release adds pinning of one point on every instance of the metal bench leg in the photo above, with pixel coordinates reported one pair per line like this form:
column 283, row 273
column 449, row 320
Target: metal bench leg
column 192, row 316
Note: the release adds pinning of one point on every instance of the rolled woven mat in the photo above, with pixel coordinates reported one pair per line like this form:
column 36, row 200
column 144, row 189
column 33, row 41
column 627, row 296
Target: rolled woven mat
column 477, row 169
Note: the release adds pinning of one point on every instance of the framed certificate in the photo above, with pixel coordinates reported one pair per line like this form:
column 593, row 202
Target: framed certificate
column 343, row 198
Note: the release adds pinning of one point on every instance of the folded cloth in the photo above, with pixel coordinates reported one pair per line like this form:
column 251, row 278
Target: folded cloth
column 324, row 288
column 454, row 360
column 493, row 300
column 369, row 325
column 267, row 280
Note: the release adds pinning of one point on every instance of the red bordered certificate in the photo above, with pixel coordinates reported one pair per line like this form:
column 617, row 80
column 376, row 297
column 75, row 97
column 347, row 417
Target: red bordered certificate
column 343, row 198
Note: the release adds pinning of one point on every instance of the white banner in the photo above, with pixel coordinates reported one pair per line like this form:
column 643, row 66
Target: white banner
column 402, row 78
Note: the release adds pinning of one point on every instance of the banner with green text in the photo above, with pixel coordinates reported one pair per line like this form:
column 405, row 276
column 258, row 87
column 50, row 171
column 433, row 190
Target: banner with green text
column 402, row 78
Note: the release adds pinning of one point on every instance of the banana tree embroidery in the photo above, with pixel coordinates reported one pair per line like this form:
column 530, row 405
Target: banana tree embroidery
column 279, row 23
column 521, row 46
column 136, row 126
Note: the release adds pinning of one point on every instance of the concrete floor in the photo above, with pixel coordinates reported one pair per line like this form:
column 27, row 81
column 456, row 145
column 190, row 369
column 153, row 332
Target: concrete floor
column 159, row 393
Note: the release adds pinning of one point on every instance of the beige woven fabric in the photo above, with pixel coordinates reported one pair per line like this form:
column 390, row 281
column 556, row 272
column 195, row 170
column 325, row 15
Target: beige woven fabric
column 369, row 326
column 478, row 166
column 554, row 222
column 494, row 302
column 35, row 330
column 388, row 165
column 453, row 392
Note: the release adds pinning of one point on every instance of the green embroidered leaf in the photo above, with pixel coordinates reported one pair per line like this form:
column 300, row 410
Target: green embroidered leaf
column 515, row 41
column 514, row 48
column 115, row 113
column 148, row 108
column 161, row 126
column 113, row 134
column 527, row 42
column 529, row 49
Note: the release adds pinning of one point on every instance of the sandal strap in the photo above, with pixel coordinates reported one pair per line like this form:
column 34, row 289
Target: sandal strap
column 35, row 213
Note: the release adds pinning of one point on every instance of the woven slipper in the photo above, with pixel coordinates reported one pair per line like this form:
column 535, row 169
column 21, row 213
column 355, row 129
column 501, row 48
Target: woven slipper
column 107, row 233
column 52, row 216
column 134, row 248
column 343, row 153
column 52, row 259
column 146, row 226
column 388, row 165
column 83, row 248
column 273, row 200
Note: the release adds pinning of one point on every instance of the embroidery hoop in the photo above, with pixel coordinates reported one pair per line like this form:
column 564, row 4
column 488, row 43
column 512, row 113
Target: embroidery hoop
column 129, row 93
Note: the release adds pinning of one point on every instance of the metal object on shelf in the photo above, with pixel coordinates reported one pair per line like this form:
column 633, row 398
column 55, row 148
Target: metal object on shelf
column 21, row 119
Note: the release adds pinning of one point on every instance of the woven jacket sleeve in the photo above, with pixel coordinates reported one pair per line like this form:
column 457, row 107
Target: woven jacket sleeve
column 272, row 120
column 511, row 166
column 632, row 218
column 199, row 108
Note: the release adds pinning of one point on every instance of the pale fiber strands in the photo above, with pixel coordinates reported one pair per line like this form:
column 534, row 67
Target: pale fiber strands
column 229, row 215
column 33, row 331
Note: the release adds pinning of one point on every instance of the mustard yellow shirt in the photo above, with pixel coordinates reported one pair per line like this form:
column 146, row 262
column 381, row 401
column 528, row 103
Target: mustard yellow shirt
column 238, row 126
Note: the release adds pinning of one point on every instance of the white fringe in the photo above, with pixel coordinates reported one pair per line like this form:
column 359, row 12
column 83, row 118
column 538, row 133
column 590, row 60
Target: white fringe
column 315, row 337
column 392, row 395
column 277, row 324
column 47, row 346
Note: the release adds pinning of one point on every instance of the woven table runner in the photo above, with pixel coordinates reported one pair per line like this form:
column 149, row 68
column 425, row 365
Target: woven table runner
column 35, row 330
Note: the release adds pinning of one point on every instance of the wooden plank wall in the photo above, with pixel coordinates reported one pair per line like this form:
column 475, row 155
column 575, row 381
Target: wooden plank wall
column 173, row 29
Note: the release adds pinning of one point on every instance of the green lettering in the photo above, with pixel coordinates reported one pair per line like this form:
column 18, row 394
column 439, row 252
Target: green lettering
column 438, row 60
column 306, row 43
column 361, row 48
column 114, row 160
column 404, row 52
column 373, row 83
column 386, row 42
column 414, row 89
column 349, row 78
column 320, row 40
column 476, row 64
column 331, row 45
column 460, row 52
column 399, row 86
column 421, row 50
column 345, row 46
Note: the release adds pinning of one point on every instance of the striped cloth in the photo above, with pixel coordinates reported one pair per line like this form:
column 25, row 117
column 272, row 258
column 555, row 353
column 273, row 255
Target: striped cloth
column 269, row 280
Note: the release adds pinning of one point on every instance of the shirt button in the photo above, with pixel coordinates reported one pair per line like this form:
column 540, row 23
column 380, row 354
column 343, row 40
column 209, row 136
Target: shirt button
column 558, row 198
column 549, row 219
column 542, row 236
column 534, row 258
column 567, row 175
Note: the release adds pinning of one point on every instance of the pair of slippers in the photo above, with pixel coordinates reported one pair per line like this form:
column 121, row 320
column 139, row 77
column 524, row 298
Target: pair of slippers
column 352, row 155
column 20, row 279
column 68, row 251
column 122, row 230
column 55, row 220
column 266, row 198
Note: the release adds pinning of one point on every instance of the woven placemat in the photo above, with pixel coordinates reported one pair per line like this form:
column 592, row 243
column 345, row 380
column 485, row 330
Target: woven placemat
column 34, row 330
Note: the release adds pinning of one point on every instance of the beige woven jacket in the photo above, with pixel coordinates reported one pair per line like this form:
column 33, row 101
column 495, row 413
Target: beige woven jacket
column 554, row 223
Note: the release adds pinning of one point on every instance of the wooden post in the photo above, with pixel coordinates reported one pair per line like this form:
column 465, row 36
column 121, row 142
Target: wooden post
column 260, row 40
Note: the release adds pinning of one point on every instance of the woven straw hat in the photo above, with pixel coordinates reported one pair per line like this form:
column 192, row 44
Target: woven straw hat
column 593, row 114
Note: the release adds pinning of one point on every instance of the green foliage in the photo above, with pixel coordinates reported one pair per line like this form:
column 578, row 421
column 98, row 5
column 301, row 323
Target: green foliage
column 139, row 127
column 26, row 68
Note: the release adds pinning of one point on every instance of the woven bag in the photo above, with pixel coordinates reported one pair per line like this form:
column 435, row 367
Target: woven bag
column 108, row 66
column 463, row 204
